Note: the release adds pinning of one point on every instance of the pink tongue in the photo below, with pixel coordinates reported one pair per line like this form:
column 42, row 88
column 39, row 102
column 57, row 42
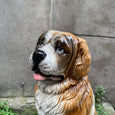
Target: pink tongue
column 38, row 77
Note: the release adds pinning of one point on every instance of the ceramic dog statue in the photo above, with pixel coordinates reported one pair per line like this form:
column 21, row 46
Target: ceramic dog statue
column 61, row 62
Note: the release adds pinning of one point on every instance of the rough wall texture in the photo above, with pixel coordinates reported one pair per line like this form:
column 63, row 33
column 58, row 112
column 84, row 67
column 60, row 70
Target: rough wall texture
column 22, row 21
column 89, row 17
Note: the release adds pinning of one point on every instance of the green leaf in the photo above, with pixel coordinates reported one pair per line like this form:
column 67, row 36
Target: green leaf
column 99, row 96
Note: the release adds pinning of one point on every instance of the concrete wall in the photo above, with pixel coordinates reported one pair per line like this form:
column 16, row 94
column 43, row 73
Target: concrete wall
column 21, row 23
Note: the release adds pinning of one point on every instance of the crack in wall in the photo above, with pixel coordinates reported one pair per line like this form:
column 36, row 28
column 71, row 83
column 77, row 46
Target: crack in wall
column 110, row 37
column 51, row 14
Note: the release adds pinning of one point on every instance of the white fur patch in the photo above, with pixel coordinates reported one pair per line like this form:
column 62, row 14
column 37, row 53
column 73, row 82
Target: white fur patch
column 49, row 65
column 47, row 104
column 30, row 59
column 92, row 112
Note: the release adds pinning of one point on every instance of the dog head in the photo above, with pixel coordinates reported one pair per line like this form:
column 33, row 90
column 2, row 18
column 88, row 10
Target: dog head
column 59, row 55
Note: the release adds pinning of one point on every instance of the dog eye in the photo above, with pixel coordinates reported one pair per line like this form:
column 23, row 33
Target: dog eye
column 60, row 49
column 41, row 42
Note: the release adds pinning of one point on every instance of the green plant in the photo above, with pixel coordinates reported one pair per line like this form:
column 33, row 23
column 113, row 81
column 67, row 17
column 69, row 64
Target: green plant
column 99, row 96
column 5, row 109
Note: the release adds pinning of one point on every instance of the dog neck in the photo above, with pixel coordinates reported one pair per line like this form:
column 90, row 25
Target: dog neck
column 53, row 87
column 64, row 95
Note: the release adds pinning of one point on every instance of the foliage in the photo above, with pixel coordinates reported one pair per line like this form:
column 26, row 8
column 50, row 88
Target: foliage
column 99, row 96
column 5, row 109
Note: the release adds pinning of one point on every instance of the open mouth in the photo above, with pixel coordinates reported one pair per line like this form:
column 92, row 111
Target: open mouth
column 39, row 76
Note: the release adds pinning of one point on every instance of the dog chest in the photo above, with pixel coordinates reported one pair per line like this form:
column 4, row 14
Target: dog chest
column 48, row 104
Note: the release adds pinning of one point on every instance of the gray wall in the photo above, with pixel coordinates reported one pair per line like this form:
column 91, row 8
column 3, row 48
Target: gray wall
column 21, row 23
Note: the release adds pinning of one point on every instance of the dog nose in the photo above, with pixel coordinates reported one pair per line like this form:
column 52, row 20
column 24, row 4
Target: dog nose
column 38, row 56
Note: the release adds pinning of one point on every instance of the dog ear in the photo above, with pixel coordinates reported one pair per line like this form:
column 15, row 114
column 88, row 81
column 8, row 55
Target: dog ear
column 82, row 60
